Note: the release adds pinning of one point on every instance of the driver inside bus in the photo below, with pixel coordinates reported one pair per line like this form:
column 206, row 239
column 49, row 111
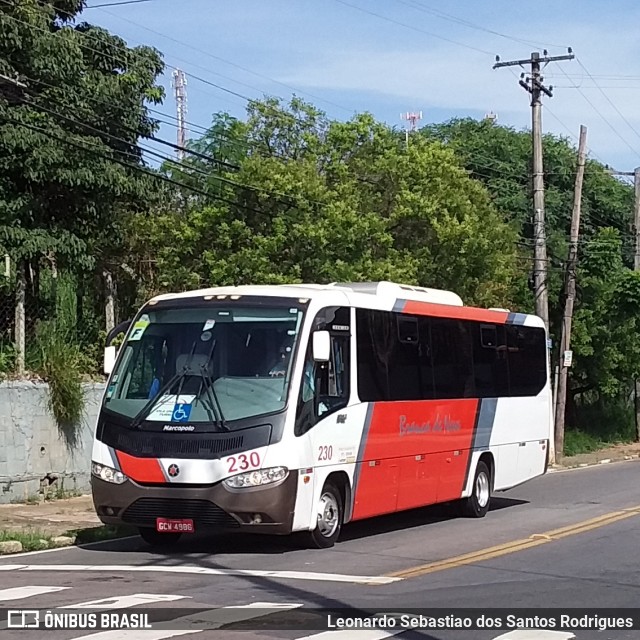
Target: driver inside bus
column 279, row 369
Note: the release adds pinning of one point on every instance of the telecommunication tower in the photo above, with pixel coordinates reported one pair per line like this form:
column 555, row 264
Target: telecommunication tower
column 180, row 94
column 412, row 117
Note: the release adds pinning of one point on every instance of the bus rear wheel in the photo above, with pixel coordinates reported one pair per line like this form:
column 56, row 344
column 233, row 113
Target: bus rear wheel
column 157, row 539
column 477, row 504
column 330, row 518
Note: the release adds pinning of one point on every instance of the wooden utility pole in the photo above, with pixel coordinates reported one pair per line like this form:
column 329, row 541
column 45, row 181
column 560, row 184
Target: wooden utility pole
column 534, row 85
column 570, row 294
column 636, row 266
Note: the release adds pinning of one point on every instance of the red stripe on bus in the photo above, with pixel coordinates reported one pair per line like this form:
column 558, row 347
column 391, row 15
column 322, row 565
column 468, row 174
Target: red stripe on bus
column 141, row 469
column 416, row 454
column 458, row 313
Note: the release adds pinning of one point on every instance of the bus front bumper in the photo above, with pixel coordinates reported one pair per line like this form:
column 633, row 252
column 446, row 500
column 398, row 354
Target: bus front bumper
column 266, row 509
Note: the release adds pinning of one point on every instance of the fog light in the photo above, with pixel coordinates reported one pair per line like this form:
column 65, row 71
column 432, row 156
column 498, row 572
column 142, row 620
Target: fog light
column 257, row 518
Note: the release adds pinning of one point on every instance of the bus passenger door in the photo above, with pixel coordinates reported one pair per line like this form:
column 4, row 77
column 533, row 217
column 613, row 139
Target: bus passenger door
column 325, row 425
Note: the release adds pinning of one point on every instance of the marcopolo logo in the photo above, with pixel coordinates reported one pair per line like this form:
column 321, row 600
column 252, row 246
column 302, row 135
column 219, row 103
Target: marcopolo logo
column 173, row 470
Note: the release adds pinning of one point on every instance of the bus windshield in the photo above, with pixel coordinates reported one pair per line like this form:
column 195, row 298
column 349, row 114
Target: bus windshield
column 212, row 364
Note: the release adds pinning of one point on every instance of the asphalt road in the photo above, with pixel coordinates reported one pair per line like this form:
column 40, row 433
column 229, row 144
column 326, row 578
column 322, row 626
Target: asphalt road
column 527, row 552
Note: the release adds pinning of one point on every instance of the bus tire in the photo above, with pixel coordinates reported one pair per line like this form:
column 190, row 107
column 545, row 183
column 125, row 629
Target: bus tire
column 157, row 539
column 477, row 504
column 330, row 518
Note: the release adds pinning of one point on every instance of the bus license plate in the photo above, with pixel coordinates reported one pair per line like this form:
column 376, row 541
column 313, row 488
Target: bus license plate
column 168, row 525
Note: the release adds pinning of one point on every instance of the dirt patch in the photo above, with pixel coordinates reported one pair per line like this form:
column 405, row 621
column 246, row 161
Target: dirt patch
column 51, row 518
column 614, row 453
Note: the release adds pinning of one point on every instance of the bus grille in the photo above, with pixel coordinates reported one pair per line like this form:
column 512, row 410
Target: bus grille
column 144, row 511
column 194, row 446
column 146, row 445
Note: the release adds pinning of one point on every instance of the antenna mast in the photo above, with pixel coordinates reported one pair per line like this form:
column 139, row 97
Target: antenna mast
column 412, row 118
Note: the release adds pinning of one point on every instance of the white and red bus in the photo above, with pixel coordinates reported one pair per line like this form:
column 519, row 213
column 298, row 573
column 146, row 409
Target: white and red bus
column 280, row 409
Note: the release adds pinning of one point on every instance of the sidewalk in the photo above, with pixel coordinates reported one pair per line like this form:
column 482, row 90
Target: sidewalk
column 53, row 518
column 70, row 521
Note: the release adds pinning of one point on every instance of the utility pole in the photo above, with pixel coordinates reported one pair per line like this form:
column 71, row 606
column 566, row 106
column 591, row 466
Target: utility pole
column 412, row 118
column 570, row 294
column 180, row 94
column 533, row 84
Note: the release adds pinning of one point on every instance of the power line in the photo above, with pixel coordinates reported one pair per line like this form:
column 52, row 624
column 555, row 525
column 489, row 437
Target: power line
column 134, row 131
column 609, row 100
column 466, row 23
column 593, row 106
column 116, row 4
column 192, row 125
column 140, row 169
column 122, row 62
column 413, row 27
column 225, row 61
column 178, row 164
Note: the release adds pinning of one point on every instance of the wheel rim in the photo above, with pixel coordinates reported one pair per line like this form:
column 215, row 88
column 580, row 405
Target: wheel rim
column 482, row 489
column 328, row 515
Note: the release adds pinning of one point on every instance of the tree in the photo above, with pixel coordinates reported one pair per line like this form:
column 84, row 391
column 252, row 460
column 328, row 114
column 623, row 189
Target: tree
column 605, row 331
column 69, row 154
column 318, row 200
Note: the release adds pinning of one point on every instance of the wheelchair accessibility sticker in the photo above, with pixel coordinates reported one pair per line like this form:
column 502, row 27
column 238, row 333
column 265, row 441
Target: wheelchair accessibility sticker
column 181, row 413
column 172, row 408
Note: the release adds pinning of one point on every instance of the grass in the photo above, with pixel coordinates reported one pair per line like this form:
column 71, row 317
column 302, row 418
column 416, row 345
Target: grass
column 34, row 540
column 576, row 442
column 31, row 540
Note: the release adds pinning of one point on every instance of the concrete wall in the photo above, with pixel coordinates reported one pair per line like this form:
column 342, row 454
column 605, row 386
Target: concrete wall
column 35, row 456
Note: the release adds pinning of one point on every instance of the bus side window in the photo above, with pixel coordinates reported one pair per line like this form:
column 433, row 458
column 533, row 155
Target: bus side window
column 324, row 388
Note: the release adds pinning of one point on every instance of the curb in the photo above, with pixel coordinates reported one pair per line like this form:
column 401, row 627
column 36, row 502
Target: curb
column 581, row 465
column 8, row 547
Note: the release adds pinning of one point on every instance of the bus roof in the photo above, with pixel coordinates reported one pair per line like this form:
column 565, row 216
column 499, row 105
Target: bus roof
column 382, row 295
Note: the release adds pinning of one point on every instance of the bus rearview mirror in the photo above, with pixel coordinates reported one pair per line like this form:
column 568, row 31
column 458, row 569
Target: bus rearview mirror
column 321, row 346
column 109, row 359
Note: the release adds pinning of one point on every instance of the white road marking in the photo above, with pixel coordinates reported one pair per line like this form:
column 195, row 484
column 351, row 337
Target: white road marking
column 191, row 569
column 19, row 593
column 125, row 602
column 208, row 621
column 535, row 634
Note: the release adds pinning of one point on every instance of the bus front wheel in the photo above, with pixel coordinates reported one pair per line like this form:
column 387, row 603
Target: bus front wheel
column 157, row 539
column 477, row 504
column 330, row 517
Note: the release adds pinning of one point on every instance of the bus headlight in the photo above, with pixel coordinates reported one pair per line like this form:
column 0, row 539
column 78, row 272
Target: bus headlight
column 107, row 474
column 257, row 478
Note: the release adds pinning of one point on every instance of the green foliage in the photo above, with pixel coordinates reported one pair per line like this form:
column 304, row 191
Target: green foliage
column 56, row 355
column 577, row 442
column 69, row 149
column 59, row 361
column 7, row 358
column 322, row 201
column 606, row 329
column 32, row 540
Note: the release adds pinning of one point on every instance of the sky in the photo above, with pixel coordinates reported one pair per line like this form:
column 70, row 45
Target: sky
column 389, row 57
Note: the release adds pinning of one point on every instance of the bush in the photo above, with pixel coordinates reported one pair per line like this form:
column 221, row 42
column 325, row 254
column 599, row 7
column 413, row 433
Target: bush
column 59, row 361
column 7, row 359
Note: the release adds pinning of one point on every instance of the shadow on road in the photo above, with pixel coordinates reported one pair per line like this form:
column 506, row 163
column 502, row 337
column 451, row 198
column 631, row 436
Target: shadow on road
column 234, row 543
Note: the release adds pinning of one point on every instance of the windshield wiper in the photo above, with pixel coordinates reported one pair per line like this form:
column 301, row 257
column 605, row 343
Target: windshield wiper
column 212, row 396
column 180, row 375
